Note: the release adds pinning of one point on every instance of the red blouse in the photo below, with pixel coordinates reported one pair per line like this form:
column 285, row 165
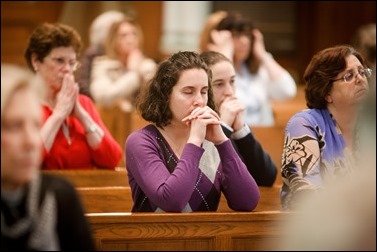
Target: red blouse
column 78, row 154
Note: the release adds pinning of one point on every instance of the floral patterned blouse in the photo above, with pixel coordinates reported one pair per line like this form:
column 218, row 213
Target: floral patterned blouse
column 314, row 153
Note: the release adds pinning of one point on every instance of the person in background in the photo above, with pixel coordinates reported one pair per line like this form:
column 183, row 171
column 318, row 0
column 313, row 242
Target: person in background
column 232, row 116
column 321, row 142
column 259, row 78
column 73, row 135
column 117, row 77
column 183, row 160
column 98, row 32
column 39, row 212
column 364, row 41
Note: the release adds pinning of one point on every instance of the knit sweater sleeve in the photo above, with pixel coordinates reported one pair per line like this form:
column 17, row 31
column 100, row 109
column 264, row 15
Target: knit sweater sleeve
column 147, row 171
column 238, row 186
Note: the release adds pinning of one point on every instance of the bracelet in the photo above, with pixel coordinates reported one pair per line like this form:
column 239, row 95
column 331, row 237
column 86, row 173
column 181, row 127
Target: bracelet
column 92, row 128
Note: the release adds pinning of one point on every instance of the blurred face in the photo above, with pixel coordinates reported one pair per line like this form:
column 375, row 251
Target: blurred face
column 223, row 76
column 21, row 144
column 56, row 64
column 242, row 47
column 352, row 92
column 190, row 92
column 127, row 39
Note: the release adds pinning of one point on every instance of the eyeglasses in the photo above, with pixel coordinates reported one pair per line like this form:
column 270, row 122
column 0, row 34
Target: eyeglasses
column 61, row 62
column 350, row 76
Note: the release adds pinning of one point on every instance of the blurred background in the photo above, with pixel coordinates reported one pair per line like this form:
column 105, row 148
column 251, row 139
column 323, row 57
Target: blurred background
column 293, row 31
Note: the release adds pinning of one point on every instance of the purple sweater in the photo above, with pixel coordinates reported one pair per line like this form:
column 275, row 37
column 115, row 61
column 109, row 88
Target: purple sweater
column 161, row 182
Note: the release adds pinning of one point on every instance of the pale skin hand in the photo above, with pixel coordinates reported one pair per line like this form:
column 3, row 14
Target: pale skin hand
column 62, row 107
column 204, row 124
column 259, row 49
column 232, row 113
column 135, row 57
column 222, row 43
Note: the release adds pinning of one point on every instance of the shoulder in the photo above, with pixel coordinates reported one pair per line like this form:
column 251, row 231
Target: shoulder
column 148, row 133
column 309, row 118
column 105, row 61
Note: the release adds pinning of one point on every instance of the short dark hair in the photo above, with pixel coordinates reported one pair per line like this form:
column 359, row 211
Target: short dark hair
column 153, row 100
column 48, row 36
column 323, row 68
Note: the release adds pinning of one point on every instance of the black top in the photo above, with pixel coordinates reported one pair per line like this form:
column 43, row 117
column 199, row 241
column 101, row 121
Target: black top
column 257, row 161
column 73, row 230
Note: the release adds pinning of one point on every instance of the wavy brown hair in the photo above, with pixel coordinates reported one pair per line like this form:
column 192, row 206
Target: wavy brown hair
column 153, row 100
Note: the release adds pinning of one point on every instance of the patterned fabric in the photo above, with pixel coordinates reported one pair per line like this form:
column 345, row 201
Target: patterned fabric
column 314, row 154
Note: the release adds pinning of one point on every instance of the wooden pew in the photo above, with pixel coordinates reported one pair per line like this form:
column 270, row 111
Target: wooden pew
column 188, row 231
column 104, row 191
column 94, row 178
column 119, row 199
column 272, row 140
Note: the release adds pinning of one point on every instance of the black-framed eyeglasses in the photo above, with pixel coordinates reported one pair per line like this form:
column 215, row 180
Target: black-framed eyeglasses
column 350, row 76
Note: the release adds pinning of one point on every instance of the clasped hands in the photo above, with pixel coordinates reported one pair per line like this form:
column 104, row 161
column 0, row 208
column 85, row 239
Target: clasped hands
column 204, row 123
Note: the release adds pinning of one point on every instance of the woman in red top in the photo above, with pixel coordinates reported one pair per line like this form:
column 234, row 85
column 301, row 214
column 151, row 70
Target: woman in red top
column 73, row 134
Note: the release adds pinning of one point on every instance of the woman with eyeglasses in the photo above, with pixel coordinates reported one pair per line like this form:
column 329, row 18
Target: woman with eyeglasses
column 321, row 142
column 74, row 137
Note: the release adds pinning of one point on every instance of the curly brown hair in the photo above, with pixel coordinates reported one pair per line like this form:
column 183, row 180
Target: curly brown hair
column 48, row 36
column 153, row 100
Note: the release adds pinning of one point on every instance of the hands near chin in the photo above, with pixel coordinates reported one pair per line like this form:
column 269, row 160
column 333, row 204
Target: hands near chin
column 67, row 101
column 232, row 112
column 204, row 124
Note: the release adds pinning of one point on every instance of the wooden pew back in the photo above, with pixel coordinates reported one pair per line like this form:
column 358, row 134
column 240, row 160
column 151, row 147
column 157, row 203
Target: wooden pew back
column 119, row 199
column 104, row 191
column 188, row 231
column 94, row 178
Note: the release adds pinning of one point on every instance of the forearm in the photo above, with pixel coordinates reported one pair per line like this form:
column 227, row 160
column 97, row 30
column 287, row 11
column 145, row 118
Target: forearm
column 93, row 132
column 239, row 187
column 50, row 129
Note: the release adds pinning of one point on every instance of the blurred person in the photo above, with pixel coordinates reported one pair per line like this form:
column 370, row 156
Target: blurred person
column 118, row 75
column 34, row 212
column 259, row 78
column 182, row 161
column 321, row 141
column 343, row 215
column 73, row 135
column 98, row 32
column 232, row 116
column 365, row 42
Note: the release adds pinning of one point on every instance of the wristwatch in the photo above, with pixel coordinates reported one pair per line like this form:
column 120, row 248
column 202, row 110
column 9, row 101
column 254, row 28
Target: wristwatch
column 92, row 128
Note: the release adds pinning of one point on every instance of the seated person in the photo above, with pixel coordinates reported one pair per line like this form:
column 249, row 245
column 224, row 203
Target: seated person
column 73, row 134
column 39, row 212
column 183, row 161
column 231, row 112
column 319, row 143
